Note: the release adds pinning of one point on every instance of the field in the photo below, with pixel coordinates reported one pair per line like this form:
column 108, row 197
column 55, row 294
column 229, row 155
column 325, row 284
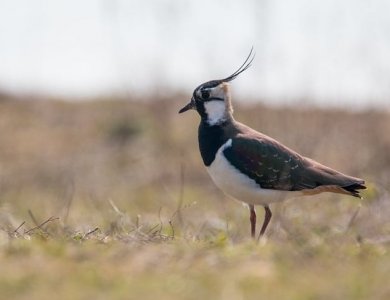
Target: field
column 108, row 199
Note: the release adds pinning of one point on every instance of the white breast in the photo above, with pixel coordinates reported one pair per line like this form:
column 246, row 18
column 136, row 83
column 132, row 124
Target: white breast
column 239, row 186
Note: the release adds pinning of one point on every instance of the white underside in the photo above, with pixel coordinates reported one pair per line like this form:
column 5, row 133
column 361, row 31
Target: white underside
column 239, row 186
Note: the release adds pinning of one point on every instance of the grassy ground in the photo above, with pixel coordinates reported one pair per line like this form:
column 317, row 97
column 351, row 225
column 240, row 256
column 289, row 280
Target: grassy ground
column 109, row 200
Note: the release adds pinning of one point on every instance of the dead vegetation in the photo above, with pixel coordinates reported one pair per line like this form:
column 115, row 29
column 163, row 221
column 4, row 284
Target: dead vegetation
column 115, row 191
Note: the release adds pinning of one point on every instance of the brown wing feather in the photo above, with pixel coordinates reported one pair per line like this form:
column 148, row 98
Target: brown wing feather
column 275, row 166
column 328, row 177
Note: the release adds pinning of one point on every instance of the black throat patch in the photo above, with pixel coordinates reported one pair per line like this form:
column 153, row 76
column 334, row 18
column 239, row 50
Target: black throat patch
column 211, row 138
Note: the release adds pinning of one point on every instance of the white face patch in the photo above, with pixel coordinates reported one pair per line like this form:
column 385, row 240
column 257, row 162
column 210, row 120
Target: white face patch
column 216, row 112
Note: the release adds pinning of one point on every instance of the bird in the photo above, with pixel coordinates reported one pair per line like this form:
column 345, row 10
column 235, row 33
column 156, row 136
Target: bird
column 250, row 166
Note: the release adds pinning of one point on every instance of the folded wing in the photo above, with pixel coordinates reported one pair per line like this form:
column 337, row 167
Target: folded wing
column 274, row 166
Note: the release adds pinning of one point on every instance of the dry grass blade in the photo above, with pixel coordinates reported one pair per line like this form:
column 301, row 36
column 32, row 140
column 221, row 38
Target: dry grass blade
column 353, row 217
column 30, row 213
column 51, row 219
column 91, row 232
column 20, row 226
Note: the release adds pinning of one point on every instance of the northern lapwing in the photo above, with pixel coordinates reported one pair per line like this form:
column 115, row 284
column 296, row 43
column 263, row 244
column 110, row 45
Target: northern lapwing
column 250, row 166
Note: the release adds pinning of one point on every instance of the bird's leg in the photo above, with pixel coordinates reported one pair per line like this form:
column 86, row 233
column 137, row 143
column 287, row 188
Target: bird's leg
column 267, row 218
column 252, row 218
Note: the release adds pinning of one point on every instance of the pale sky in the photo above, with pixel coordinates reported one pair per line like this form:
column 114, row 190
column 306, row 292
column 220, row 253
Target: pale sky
column 328, row 52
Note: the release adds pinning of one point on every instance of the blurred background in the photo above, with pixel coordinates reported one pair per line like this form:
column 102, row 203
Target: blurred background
column 319, row 84
column 328, row 52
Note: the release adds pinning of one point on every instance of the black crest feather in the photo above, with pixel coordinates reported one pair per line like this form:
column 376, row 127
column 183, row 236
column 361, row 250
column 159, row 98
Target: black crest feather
column 247, row 63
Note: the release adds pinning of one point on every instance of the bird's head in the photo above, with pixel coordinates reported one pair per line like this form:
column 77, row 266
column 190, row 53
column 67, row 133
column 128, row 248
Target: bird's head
column 212, row 99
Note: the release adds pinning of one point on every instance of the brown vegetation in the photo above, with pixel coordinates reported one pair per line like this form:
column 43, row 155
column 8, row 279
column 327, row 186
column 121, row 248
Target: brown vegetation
column 130, row 171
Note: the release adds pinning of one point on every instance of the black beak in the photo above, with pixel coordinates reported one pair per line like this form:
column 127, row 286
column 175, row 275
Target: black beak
column 189, row 106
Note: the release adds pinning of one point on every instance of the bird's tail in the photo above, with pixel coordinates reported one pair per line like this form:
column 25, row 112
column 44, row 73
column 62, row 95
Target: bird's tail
column 353, row 189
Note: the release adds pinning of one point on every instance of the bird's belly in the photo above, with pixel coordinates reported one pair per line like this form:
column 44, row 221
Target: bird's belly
column 239, row 186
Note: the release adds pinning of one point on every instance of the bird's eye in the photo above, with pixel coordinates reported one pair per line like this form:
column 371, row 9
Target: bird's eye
column 205, row 94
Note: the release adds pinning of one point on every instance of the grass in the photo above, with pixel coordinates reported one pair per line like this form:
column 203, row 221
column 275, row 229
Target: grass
column 102, row 268
column 109, row 200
